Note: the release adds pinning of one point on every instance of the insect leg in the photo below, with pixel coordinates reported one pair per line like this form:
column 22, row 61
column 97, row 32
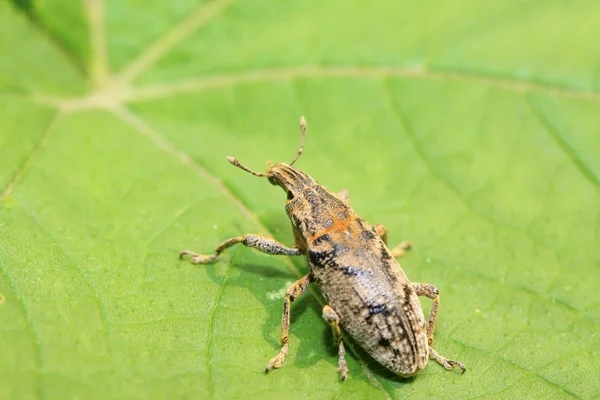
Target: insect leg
column 448, row 364
column 291, row 294
column 266, row 245
column 425, row 289
column 397, row 251
column 344, row 195
column 382, row 232
column 333, row 320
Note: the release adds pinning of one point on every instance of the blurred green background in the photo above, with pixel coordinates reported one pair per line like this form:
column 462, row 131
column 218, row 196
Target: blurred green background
column 471, row 128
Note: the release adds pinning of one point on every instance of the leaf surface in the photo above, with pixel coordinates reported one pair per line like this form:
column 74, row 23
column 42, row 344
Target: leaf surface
column 470, row 129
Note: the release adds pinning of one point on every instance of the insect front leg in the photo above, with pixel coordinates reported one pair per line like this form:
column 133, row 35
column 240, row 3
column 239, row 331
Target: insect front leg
column 397, row 251
column 266, row 245
column 291, row 294
column 333, row 320
column 430, row 291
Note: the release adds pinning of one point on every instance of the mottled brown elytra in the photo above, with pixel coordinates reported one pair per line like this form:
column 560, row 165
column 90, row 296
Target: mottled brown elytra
column 367, row 292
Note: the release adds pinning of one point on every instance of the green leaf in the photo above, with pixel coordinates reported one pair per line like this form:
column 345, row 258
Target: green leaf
column 469, row 128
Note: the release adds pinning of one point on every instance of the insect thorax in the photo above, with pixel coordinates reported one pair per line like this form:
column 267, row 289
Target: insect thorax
column 316, row 211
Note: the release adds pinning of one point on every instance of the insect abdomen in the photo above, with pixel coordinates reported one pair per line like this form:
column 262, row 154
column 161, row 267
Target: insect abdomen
column 371, row 294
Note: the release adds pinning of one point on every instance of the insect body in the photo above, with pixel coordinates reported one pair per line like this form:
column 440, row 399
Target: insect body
column 366, row 290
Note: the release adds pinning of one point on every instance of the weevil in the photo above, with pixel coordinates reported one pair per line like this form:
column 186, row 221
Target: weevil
column 366, row 290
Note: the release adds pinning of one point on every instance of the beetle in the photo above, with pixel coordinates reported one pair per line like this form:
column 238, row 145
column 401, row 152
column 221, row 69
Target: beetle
column 366, row 290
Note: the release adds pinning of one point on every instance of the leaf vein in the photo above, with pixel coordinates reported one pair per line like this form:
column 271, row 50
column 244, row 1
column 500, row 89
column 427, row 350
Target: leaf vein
column 41, row 145
column 514, row 286
column 516, row 365
column 341, row 71
column 143, row 61
column 211, row 324
column 562, row 143
column 34, row 334
column 89, row 283
column 99, row 64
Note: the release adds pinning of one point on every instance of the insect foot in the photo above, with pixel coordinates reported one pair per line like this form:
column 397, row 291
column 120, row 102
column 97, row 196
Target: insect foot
column 401, row 249
column 277, row 361
column 367, row 292
column 448, row 364
column 198, row 258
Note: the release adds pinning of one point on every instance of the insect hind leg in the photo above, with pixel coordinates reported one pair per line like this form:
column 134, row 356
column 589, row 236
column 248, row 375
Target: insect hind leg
column 430, row 291
column 331, row 317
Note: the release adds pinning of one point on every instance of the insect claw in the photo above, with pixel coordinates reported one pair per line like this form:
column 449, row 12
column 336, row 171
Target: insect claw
column 450, row 364
column 275, row 362
column 459, row 365
column 406, row 245
column 184, row 253
column 278, row 360
column 343, row 370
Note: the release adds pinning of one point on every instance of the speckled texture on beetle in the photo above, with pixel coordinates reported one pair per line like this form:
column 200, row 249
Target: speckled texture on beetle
column 366, row 290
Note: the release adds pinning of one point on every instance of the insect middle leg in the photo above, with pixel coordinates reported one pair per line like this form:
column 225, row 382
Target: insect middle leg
column 266, row 245
column 397, row 251
column 291, row 294
column 430, row 291
column 333, row 320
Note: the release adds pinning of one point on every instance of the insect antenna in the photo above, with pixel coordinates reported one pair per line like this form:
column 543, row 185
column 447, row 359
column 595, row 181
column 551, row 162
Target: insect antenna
column 238, row 164
column 303, row 130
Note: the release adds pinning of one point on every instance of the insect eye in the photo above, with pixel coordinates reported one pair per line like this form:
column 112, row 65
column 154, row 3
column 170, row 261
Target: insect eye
column 272, row 181
column 290, row 195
